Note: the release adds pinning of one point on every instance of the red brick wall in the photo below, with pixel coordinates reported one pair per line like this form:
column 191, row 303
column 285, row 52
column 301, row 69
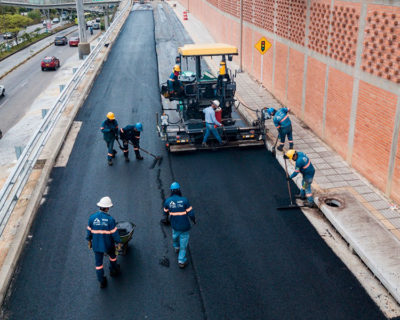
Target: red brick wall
column 280, row 71
column 315, row 88
column 373, row 136
column 395, row 194
column 338, row 107
column 296, row 70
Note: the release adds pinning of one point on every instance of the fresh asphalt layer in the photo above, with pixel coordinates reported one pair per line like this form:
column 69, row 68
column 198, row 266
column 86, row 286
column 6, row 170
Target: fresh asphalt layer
column 247, row 260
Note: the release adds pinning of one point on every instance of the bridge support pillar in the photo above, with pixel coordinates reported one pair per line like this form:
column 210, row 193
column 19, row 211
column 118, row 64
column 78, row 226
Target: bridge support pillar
column 106, row 23
column 83, row 49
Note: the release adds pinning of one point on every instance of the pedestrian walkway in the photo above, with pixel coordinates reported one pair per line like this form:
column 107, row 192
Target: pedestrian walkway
column 367, row 220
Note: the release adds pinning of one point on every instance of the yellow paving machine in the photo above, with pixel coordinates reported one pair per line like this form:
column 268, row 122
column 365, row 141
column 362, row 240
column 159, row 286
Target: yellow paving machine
column 182, row 126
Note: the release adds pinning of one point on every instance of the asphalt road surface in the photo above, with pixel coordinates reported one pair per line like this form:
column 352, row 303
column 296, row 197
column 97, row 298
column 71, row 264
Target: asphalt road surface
column 247, row 260
column 26, row 82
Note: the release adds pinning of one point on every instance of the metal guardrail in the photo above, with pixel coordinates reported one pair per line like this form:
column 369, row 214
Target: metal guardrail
column 15, row 183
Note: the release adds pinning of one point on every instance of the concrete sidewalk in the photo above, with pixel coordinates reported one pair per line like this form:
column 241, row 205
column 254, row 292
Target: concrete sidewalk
column 365, row 218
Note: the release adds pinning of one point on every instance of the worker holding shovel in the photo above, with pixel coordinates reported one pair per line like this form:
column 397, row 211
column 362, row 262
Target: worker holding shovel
column 305, row 167
column 109, row 128
column 131, row 133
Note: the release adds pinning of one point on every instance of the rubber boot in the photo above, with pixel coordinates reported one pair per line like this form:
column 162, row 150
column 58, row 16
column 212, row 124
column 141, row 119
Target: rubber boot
column 114, row 153
column 290, row 145
column 110, row 163
column 126, row 159
column 280, row 148
column 138, row 156
column 103, row 283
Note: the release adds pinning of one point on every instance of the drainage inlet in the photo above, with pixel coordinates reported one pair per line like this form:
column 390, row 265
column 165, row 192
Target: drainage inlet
column 335, row 203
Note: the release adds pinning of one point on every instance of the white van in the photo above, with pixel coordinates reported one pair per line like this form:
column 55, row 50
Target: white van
column 56, row 20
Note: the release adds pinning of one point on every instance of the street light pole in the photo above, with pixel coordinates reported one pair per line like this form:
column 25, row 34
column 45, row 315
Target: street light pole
column 241, row 37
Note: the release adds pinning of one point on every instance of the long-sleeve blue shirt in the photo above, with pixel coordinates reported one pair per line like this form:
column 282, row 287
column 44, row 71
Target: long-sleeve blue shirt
column 179, row 210
column 209, row 116
column 102, row 231
column 281, row 118
column 303, row 165
column 109, row 129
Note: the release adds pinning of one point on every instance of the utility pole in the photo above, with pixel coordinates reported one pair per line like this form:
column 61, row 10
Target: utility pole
column 83, row 46
column 241, row 37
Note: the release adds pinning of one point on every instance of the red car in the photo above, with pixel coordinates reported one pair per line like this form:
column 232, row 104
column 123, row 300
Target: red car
column 73, row 42
column 50, row 63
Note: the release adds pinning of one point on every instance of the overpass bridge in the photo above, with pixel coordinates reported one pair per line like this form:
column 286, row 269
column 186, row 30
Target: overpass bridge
column 53, row 4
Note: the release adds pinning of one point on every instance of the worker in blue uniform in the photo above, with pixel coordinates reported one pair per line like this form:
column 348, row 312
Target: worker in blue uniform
column 109, row 127
column 211, row 123
column 305, row 167
column 179, row 211
column 174, row 84
column 102, row 235
column 283, row 124
column 131, row 133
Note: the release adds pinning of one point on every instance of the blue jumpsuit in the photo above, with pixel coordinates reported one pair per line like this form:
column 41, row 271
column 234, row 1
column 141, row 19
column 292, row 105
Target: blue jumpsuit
column 179, row 210
column 129, row 133
column 174, row 85
column 103, row 233
column 284, row 125
column 304, row 165
column 110, row 130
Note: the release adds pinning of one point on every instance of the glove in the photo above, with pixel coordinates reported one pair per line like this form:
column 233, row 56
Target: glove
column 90, row 244
column 119, row 246
column 193, row 220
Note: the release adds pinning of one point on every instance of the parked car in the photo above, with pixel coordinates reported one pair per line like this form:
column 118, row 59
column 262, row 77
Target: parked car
column 96, row 26
column 73, row 41
column 50, row 63
column 56, row 20
column 2, row 90
column 97, row 19
column 8, row 35
column 89, row 23
column 60, row 40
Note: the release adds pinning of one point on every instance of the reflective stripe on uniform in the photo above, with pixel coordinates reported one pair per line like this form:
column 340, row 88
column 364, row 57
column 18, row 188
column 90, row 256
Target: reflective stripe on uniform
column 309, row 194
column 99, row 268
column 189, row 209
column 166, row 210
column 110, row 154
column 137, row 137
column 113, row 259
column 177, row 213
column 283, row 119
column 307, row 165
column 126, row 150
column 102, row 231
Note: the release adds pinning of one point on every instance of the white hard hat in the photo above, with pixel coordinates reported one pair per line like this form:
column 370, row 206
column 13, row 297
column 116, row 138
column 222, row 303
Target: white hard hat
column 105, row 202
column 215, row 103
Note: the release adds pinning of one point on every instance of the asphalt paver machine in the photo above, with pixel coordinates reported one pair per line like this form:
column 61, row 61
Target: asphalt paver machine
column 181, row 123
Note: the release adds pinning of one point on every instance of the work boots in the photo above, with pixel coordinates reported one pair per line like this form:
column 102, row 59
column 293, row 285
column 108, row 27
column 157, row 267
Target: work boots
column 310, row 204
column 126, row 159
column 114, row 153
column 138, row 156
column 110, row 163
column 280, row 147
column 103, row 283
column 300, row 196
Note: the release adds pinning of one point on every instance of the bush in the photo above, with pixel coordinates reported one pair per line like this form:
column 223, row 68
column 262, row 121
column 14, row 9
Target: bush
column 35, row 15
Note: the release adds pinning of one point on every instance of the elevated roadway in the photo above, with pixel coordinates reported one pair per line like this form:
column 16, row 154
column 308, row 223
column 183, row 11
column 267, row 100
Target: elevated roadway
column 247, row 260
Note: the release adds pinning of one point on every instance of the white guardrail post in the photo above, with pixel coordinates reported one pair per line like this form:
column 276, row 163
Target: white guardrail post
column 15, row 183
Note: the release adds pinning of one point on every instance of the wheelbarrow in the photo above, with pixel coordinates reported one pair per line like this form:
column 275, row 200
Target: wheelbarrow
column 125, row 230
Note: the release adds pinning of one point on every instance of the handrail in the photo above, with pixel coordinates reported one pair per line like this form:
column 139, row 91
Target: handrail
column 12, row 188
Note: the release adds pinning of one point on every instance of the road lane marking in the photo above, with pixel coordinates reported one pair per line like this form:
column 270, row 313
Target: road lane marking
column 69, row 142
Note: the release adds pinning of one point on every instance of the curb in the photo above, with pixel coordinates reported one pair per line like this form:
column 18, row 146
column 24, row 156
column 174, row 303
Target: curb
column 53, row 146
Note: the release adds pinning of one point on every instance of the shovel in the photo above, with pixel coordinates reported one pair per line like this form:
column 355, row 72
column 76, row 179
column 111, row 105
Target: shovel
column 291, row 205
column 273, row 151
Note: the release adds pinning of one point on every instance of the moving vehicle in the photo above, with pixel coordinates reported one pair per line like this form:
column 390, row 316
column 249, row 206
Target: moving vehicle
column 182, row 127
column 8, row 35
column 97, row 19
column 2, row 90
column 73, row 41
column 50, row 63
column 60, row 40
column 96, row 26
column 56, row 20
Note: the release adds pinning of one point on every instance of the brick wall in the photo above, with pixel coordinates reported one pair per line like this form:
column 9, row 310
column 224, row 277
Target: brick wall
column 352, row 107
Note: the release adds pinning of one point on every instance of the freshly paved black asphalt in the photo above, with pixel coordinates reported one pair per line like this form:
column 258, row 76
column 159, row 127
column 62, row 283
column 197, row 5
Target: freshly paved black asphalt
column 247, row 260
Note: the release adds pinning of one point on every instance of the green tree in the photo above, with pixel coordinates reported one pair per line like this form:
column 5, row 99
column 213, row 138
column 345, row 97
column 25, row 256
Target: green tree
column 35, row 15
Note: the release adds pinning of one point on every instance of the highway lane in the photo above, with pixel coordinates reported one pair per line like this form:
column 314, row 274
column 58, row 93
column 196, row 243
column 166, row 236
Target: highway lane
column 25, row 83
column 247, row 260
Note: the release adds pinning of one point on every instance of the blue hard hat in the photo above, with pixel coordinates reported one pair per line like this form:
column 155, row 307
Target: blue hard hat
column 139, row 126
column 271, row 111
column 175, row 186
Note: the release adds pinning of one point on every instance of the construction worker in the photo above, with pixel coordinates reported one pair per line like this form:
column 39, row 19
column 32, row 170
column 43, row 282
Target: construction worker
column 102, row 236
column 179, row 211
column 211, row 123
column 222, row 80
column 109, row 127
column 131, row 133
column 174, row 85
column 283, row 124
column 305, row 167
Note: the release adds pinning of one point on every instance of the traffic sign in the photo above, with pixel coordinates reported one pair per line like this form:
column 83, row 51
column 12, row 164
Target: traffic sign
column 263, row 45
